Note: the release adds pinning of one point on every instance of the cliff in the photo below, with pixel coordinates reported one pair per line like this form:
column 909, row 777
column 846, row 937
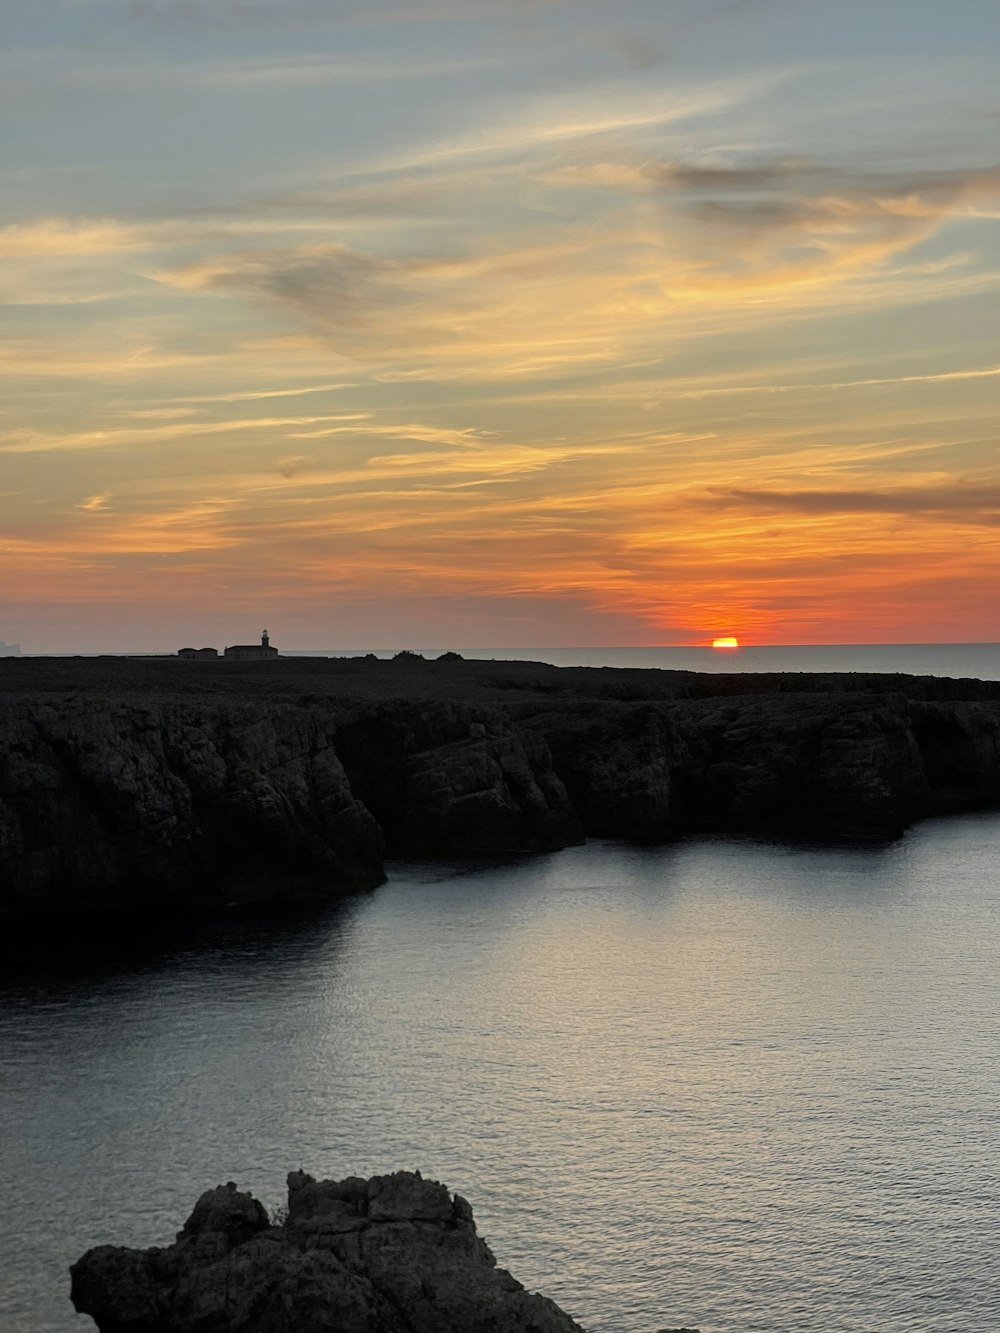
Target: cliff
column 840, row 766
column 112, row 803
column 394, row 1254
column 167, row 783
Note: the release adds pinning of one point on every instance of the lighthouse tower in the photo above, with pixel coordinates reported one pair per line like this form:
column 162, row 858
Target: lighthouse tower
column 253, row 651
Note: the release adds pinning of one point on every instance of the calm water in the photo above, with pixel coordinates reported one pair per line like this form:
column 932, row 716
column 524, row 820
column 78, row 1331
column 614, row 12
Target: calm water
column 980, row 661
column 728, row 1084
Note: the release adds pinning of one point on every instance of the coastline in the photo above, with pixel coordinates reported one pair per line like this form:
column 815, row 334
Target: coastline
column 143, row 784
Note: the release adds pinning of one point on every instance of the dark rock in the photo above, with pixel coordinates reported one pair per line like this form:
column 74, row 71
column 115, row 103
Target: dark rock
column 447, row 778
column 394, row 1254
column 178, row 784
column 164, row 804
column 226, row 1212
column 618, row 764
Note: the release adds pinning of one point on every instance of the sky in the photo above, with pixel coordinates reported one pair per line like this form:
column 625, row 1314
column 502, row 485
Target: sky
column 498, row 323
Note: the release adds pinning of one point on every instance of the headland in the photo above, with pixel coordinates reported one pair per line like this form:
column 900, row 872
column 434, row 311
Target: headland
column 132, row 784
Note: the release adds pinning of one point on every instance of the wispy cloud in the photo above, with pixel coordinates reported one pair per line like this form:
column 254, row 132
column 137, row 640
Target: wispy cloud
column 481, row 314
column 724, row 390
column 673, row 345
column 968, row 503
column 291, row 14
column 560, row 120
column 31, row 442
column 289, row 72
column 257, row 395
column 767, row 224
column 577, row 293
column 70, row 237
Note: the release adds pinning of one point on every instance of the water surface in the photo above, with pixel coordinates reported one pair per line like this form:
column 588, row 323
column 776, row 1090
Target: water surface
column 978, row 661
column 727, row 1084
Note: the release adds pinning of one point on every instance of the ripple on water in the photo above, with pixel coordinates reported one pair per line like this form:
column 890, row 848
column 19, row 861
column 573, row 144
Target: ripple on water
column 728, row 1084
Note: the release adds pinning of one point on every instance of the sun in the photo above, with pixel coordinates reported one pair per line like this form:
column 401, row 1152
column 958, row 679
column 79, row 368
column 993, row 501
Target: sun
column 727, row 642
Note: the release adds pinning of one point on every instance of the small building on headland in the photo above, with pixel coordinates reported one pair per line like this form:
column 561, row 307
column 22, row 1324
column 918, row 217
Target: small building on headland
column 197, row 652
column 252, row 652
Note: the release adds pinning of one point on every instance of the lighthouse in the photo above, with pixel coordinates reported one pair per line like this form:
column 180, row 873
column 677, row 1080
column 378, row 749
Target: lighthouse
column 253, row 652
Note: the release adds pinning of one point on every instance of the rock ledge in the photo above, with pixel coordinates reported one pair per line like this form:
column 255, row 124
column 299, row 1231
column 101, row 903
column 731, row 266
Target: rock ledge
column 393, row 1254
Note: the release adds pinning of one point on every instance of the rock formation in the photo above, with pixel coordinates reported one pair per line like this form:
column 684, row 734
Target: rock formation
column 169, row 783
column 394, row 1254
column 447, row 778
column 103, row 803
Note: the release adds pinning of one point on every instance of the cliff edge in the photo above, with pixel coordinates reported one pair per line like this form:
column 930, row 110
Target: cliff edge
column 163, row 783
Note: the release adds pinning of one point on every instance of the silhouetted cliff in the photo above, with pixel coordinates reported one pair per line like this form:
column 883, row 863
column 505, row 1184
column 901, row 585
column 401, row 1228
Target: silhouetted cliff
column 146, row 804
column 167, row 783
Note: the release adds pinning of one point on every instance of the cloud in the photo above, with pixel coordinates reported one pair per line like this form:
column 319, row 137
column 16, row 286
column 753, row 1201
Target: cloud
column 291, row 72
column 168, row 532
column 640, row 50
column 812, row 197
column 57, row 357
column 579, row 291
column 488, row 313
column 27, row 441
column 720, row 389
column 763, row 224
column 459, row 437
column 70, row 238
column 307, row 14
column 956, row 501
column 254, row 395
column 681, row 246
column 555, row 121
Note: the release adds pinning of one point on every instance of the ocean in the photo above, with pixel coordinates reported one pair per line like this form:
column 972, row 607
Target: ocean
column 979, row 661
column 740, row 1086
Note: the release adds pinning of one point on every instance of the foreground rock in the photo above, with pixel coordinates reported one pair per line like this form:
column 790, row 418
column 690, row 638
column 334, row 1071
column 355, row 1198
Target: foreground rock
column 394, row 1254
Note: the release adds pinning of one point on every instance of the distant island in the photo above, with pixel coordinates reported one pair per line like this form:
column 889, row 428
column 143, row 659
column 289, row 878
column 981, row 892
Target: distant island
column 147, row 783
column 9, row 649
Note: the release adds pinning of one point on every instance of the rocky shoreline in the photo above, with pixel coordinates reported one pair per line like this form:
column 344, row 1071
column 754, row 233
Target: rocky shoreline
column 131, row 784
column 393, row 1254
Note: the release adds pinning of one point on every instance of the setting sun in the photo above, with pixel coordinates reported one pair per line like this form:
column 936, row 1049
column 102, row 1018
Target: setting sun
column 725, row 643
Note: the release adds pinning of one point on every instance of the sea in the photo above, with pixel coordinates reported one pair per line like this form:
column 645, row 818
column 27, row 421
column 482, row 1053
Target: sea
column 979, row 661
column 730, row 1084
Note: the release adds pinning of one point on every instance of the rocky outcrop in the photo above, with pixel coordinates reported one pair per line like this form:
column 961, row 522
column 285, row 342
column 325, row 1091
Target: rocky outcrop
column 159, row 804
column 156, row 798
column 837, row 765
column 624, row 766
column 448, row 778
column 394, row 1254
column 799, row 765
column 162, row 804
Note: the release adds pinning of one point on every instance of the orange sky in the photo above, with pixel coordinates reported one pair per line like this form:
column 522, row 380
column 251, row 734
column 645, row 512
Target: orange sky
column 504, row 324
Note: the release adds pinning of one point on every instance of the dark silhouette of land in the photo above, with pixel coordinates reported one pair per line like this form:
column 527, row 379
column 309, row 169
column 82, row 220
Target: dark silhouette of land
column 145, row 782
